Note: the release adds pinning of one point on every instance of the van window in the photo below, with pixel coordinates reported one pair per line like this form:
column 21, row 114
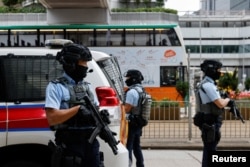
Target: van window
column 111, row 69
column 24, row 78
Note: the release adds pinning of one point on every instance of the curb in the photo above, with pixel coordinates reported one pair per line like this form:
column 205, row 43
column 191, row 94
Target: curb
column 194, row 145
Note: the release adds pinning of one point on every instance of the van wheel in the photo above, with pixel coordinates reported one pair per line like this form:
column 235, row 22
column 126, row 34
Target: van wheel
column 22, row 164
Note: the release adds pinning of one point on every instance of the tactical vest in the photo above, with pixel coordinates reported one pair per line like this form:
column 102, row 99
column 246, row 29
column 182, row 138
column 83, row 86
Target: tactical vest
column 136, row 109
column 82, row 120
column 208, row 108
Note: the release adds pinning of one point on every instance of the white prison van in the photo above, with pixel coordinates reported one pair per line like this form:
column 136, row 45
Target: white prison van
column 24, row 130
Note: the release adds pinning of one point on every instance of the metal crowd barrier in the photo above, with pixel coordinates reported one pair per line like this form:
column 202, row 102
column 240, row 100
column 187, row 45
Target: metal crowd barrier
column 170, row 122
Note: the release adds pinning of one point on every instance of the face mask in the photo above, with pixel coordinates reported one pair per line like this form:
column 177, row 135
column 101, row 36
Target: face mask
column 128, row 82
column 131, row 81
column 79, row 73
column 217, row 75
column 214, row 75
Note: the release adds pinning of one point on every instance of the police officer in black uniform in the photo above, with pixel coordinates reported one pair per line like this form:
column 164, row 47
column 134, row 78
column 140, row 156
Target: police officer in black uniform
column 65, row 110
column 133, row 79
column 212, row 105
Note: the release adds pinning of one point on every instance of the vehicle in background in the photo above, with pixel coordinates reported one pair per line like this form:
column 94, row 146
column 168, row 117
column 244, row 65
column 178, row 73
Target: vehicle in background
column 158, row 51
column 24, row 130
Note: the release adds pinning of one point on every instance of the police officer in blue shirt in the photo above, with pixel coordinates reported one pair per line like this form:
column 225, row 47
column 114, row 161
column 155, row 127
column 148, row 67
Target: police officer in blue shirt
column 212, row 105
column 133, row 79
column 73, row 123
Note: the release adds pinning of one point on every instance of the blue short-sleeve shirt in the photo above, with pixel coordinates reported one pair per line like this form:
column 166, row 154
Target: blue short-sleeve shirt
column 57, row 95
column 132, row 97
column 211, row 91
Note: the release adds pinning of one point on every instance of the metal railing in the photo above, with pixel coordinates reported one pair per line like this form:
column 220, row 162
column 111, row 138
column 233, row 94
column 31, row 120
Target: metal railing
column 216, row 13
column 115, row 18
column 175, row 123
column 7, row 19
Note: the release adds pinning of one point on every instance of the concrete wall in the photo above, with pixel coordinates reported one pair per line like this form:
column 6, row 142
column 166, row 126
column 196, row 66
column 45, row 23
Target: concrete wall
column 78, row 16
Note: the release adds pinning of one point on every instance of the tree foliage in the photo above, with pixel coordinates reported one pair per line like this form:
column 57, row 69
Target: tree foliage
column 247, row 84
column 137, row 2
column 159, row 3
column 34, row 8
column 182, row 88
column 229, row 81
column 164, row 10
column 127, row 3
column 10, row 3
column 147, row 3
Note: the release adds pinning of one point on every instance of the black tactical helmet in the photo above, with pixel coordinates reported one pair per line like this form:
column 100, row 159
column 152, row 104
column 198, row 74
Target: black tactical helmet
column 209, row 65
column 72, row 53
column 135, row 74
column 210, row 68
column 135, row 77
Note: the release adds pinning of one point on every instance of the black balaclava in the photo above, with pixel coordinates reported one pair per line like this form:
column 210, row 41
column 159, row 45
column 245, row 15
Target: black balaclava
column 131, row 81
column 214, row 75
column 77, row 72
column 80, row 72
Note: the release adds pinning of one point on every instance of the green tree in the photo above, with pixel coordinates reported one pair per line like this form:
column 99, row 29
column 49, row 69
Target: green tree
column 127, row 3
column 160, row 3
column 137, row 2
column 229, row 81
column 182, row 88
column 147, row 3
column 10, row 3
column 20, row 1
column 247, row 83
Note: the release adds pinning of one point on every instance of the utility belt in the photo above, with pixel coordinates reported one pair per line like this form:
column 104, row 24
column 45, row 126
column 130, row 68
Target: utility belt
column 63, row 157
column 212, row 117
column 73, row 135
column 211, row 108
column 209, row 113
column 135, row 120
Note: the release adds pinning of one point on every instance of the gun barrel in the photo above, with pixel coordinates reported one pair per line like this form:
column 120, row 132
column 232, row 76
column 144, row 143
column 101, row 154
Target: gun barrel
column 237, row 114
column 242, row 120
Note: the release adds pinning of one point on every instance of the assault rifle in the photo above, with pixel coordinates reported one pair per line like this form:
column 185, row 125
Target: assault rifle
column 234, row 110
column 102, row 128
column 233, row 107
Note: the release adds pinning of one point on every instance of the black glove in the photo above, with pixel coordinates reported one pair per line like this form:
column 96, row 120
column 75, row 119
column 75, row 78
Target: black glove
column 231, row 103
column 84, row 111
column 234, row 110
column 105, row 116
column 85, row 116
column 224, row 95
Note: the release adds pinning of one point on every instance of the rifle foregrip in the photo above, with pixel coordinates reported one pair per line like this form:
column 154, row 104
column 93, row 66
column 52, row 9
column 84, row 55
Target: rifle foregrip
column 94, row 134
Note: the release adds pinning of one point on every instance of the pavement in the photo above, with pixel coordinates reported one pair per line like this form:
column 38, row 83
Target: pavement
column 171, row 158
column 224, row 144
column 182, row 154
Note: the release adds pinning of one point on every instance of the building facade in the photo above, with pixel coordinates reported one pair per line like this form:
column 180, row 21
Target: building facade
column 219, row 30
column 216, row 5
